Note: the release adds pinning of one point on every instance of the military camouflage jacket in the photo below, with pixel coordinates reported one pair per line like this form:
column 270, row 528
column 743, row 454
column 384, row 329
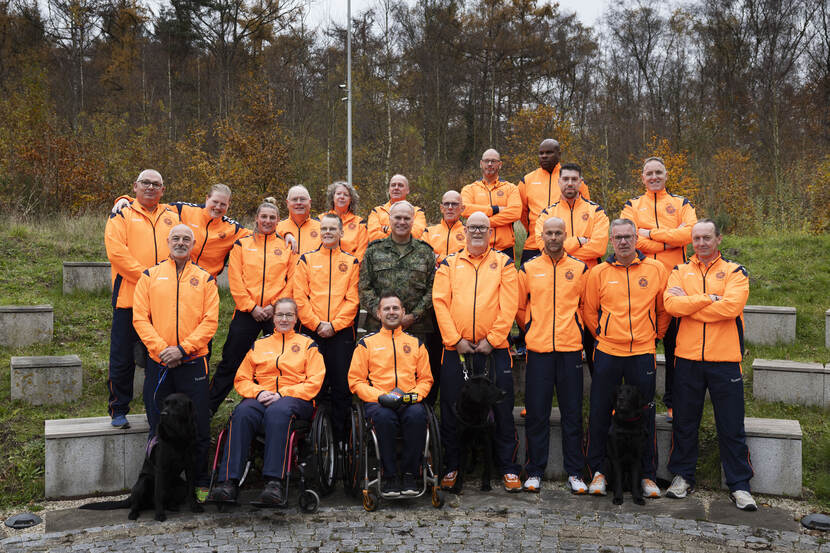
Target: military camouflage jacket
column 409, row 275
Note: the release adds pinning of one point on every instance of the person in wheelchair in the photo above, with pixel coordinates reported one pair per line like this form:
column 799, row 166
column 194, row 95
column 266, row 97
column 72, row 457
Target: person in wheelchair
column 390, row 374
column 278, row 378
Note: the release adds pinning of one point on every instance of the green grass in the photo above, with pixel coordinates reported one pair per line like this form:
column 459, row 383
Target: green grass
column 787, row 270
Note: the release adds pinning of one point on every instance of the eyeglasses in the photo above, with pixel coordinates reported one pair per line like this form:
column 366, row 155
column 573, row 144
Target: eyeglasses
column 477, row 229
column 623, row 238
column 150, row 184
column 450, row 204
column 284, row 315
column 490, row 161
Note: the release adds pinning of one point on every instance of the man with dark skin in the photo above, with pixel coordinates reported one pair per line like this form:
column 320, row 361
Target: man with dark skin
column 540, row 189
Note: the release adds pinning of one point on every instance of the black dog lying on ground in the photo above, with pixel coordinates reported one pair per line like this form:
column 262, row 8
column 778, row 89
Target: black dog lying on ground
column 626, row 442
column 474, row 413
column 159, row 485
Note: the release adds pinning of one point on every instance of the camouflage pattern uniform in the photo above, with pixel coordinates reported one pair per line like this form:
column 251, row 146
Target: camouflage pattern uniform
column 409, row 275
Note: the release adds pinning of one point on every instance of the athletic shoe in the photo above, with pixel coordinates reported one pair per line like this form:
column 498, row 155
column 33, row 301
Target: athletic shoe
column 597, row 486
column 533, row 484
column 743, row 500
column 120, row 421
column 650, row 489
column 225, row 492
column 201, row 494
column 390, row 487
column 669, row 414
column 679, row 488
column 408, row 486
column 512, row 483
column 448, row 482
column 577, row 486
column 272, row 494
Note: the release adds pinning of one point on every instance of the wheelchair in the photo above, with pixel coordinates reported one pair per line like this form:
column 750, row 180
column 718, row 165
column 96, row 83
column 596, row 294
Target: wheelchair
column 362, row 464
column 311, row 457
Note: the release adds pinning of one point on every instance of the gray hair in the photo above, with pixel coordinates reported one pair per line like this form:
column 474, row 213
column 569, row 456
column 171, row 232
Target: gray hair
column 355, row 197
column 621, row 222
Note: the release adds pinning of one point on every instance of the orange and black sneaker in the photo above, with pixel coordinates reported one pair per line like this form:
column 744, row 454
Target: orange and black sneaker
column 448, row 482
column 512, row 483
column 524, row 412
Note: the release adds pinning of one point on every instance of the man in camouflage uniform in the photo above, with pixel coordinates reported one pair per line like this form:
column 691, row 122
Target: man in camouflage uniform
column 404, row 266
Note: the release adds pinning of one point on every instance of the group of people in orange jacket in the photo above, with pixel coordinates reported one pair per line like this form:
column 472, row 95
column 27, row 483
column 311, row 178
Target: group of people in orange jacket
column 297, row 281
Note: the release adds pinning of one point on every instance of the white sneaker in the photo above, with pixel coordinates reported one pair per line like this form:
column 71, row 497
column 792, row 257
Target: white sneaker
column 577, row 486
column 650, row 489
column 533, row 484
column 743, row 500
column 597, row 486
column 679, row 488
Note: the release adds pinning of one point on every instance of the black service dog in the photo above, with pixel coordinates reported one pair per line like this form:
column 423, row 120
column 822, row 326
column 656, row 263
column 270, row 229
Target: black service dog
column 159, row 485
column 626, row 442
column 475, row 425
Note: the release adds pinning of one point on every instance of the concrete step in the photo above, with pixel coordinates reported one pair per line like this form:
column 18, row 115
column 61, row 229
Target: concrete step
column 88, row 456
column 89, row 276
column 46, row 379
column 791, row 382
column 769, row 324
column 23, row 325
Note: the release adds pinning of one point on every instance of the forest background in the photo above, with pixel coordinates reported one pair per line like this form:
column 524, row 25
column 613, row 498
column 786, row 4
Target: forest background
column 734, row 94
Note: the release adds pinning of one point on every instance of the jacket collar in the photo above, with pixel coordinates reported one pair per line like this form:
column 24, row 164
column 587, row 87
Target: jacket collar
column 391, row 333
column 612, row 259
column 696, row 260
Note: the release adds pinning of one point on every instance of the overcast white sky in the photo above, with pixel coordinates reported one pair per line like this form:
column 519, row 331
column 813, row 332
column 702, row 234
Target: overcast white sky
column 321, row 11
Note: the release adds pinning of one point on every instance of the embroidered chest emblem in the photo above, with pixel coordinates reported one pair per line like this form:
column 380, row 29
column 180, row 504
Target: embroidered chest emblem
column 569, row 274
column 194, row 282
column 277, row 252
column 493, row 265
column 500, row 193
column 459, row 237
column 342, row 267
column 670, row 209
column 643, row 282
column 314, row 234
column 407, row 349
column 721, row 275
column 295, row 348
column 222, row 235
column 352, row 226
column 168, row 221
column 584, row 216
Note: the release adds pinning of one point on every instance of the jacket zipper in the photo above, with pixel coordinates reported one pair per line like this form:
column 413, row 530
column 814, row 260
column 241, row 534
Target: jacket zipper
column 395, row 359
column 178, row 280
column 554, row 306
column 630, row 324
column 277, row 366
column 328, row 309
column 264, row 257
column 202, row 250
column 490, row 196
column 449, row 231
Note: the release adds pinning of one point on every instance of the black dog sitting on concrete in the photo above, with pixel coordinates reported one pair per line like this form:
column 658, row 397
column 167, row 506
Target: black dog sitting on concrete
column 626, row 442
column 474, row 413
column 159, row 485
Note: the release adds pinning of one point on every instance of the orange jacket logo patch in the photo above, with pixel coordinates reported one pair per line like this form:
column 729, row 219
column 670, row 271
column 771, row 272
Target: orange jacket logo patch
column 669, row 209
column 168, row 221
column 500, row 193
column 721, row 275
column 222, row 235
column 584, row 216
column 459, row 236
column 352, row 226
column 569, row 274
column 295, row 348
column 407, row 349
column 643, row 282
column 314, row 234
column 342, row 267
column 194, row 282
column 277, row 252
column 493, row 265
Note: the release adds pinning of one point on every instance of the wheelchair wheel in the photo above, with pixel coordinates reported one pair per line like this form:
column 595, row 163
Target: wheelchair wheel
column 323, row 455
column 308, row 501
column 217, row 456
column 353, row 466
column 370, row 500
column 433, row 460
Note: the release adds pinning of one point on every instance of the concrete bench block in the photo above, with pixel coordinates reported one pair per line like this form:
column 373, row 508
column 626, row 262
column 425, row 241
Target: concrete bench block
column 554, row 469
column 23, row 325
column 361, row 318
column 222, row 280
column 46, row 379
column 769, row 324
column 827, row 329
column 791, row 382
column 89, row 456
column 89, row 276
column 775, row 452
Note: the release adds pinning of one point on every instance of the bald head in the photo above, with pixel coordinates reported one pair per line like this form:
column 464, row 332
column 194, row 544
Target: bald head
column 478, row 233
column 401, row 216
column 451, row 207
column 490, row 165
column 398, row 188
column 553, row 236
column 148, row 188
column 402, row 205
column 549, row 154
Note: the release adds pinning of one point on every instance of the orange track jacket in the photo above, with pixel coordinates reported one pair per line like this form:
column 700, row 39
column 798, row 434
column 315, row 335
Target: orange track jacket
column 176, row 310
column 136, row 240
column 325, row 288
column 709, row 331
column 475, row 298
column 585, row 218
column 289, row 364
column 355, row 234
column 662, row 213
column 307, row 234
column 550, row 303
column 538, row 190
column 260, row 270
column 501, row 203
column 386, row 360
column 379, row 218
column 623, row 306
column 445, row 240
